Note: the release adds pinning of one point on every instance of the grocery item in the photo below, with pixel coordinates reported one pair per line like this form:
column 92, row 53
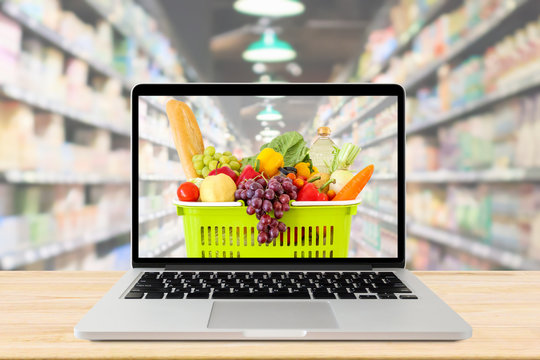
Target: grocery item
column 344, row 157
column 342, row 177
column 290, row 144
column 322, row 150
column 217, row 188
column 197, row 181
column 288, row 170
column 351, row 190
column 302, row 169
column 331, row 194
column 248, row 173
column 225, row 170
column 206, row 163
column 270, row 162
column 188, row 191
column 322, row 179
column 310, row 192
column 186, row 134
column 263, row 198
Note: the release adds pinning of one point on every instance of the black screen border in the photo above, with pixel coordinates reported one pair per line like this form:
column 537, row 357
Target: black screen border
column 249, row 89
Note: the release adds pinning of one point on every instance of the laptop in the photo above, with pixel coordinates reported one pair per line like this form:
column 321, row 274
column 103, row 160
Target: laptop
column 336, row 272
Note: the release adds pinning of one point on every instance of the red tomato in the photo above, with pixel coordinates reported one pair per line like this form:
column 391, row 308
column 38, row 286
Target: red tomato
column 188, row 192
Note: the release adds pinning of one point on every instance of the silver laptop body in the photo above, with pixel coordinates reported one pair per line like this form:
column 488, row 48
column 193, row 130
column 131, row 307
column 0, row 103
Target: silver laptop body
column 425, row 318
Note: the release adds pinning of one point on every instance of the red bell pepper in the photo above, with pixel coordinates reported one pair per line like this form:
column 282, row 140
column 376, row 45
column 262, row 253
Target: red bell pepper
column 310, row 193
column 248, row 173
column 224, row 170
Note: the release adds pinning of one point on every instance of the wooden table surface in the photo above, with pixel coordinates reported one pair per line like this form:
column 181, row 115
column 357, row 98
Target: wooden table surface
column 39, row 309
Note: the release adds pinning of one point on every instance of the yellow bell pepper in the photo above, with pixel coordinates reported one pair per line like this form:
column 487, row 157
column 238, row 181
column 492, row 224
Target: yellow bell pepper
column 302, row 169
column 271, row 161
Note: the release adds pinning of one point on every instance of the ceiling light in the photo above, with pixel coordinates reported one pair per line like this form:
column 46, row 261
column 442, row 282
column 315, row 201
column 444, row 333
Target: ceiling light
column 269, row 49
column 259, row 68
column 269, row 133
column 272, row 8
column 269, row 114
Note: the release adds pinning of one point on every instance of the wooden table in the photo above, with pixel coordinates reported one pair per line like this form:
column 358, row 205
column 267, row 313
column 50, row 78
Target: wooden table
column 39, row 309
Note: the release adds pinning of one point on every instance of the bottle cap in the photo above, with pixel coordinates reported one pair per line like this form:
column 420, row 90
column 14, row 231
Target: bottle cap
column 324, row 131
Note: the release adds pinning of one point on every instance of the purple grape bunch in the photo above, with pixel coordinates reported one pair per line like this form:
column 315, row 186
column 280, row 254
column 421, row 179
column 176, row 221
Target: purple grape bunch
column 264, row 198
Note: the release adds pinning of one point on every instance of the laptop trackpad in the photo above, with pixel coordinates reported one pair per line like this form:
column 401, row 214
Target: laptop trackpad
column 260, row 314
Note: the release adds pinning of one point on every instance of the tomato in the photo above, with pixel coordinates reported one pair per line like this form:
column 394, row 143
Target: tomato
column 188, row 191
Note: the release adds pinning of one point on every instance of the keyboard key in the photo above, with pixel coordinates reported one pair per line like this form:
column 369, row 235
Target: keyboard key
column 154, row 295
column 345, row 295
column 367, row 296
column 197, row 295
column 175, row 295
column 408, row 297
column 134, row 295
column 387, row 296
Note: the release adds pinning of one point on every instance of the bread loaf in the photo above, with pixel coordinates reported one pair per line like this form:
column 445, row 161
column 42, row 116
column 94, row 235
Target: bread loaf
column 186, row 134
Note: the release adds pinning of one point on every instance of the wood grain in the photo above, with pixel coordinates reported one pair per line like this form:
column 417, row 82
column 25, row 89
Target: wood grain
column 39, row 309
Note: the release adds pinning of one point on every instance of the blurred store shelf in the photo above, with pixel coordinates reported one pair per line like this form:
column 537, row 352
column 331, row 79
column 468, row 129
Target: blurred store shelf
column 54, row 38
column 502, row 175
column 530, row 83
column 376, row 214
column 372, row 109
column 41, row 102
column 472, row 246
column 476, row 35
column 165, row 248
column 47, row 177
column 141, row 42
column 405, row 39
column 158, row 177
column 18, row 259
column 157, row 215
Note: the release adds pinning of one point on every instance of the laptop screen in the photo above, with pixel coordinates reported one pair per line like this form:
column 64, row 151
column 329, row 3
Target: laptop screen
column 267, row 177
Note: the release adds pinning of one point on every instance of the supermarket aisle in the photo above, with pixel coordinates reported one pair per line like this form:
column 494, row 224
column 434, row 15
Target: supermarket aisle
column 473, row 117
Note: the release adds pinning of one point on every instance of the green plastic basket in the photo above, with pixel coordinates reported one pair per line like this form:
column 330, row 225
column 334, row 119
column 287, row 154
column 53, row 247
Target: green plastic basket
column 228, row 232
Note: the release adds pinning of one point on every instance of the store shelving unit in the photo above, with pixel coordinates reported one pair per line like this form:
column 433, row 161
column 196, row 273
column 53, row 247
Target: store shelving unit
column 476, row 40
column 372, row 109
column 477, row 35
column 158, row 177
column 47, row 177
column 156, row 215
column 41, row 102
column 472, row 246
column 19, row 259
column 58, row 41
column 405, row 39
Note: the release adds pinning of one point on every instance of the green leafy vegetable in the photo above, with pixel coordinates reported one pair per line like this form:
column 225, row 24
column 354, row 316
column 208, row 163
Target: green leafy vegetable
column 291, row 145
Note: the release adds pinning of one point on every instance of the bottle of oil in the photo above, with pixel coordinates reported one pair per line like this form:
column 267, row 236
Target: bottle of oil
column 321, row 151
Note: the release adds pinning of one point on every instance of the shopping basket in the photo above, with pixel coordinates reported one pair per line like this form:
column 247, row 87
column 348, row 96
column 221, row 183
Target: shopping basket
column 224, row 230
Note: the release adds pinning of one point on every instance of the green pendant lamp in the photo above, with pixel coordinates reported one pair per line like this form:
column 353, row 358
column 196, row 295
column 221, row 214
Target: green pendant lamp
column 269, row 49
column 269, row 114
column 270, row 8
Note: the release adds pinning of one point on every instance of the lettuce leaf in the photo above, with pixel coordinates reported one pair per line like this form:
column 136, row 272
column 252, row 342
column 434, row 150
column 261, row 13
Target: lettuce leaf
column 291, row 145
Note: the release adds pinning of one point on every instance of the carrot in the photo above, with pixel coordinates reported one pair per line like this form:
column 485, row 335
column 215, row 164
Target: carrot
column 351, row 190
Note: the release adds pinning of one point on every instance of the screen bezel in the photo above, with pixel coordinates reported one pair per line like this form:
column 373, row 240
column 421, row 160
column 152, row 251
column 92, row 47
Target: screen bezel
column 249, row 89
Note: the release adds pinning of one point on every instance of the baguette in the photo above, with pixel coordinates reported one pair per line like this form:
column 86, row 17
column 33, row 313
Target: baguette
column 186, row 134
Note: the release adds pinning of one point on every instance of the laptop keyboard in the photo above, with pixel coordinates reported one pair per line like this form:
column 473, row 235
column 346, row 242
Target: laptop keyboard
column 269, row 285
